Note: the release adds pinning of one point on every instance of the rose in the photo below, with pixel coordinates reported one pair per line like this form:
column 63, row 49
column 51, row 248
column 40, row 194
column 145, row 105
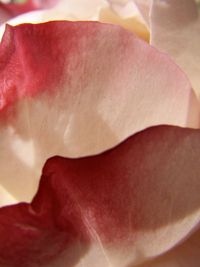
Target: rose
column 148, row 263
column 38, row 222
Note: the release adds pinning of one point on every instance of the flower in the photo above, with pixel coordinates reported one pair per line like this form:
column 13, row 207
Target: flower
column 80, row 88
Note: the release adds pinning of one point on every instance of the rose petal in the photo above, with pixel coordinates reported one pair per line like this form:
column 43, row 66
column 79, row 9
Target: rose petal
column 144, row 8
column 117, row 209
column 5, row 197
column 64, row 10
column 11, row 10
column 74, row 89
column 18, row 8
column 4, row 14
column 133, row 23
column 99, row 10
column 175, row 28
column 186, row 254
column 124, row 8
column 28, row 5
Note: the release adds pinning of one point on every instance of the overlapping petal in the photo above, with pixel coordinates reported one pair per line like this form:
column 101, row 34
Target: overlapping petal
column 144, row 7
column 124, row 14
column 118, row 208
column 4, row 14
column 184, row 255
column 10, row 10
column 74, row 89
column 63, row 102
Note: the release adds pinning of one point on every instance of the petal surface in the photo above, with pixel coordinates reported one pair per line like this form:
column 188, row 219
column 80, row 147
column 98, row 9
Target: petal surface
column 4, row 14
column 119, row 208
column 124, row 14
column 5, row 197
column 184, row 255
column 75, row 89
column 175, row 29
column 144, row 7
column 25, row 6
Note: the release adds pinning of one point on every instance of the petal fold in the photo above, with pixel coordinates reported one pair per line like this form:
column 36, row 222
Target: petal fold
column 79, row 88
column 146, row 188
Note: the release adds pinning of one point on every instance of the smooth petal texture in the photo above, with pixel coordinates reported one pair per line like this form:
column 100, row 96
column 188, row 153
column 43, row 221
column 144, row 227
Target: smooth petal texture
column 75, row 89
column 125, row 8
column 144, row 7
column 118, row 208
column 4, row 14
column 18, row 8
column 133, row 23
column 5, row 197
column 175, row 29
column 184, row 255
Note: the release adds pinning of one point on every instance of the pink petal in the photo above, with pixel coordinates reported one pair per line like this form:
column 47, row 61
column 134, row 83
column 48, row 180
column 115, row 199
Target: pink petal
column 75, row 89
column 8, row 11
column 144, row 8
column 118, row 208
column 16, row 8
column 175, row 28
column 4, row 14
column 124, row 14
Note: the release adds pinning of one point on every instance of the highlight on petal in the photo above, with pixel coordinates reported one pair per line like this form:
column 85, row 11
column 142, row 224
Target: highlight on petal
column 175, row 28
column 119, row 208
column 184, row 255
column 144, row 7
column 78, row 88
column 5, row 197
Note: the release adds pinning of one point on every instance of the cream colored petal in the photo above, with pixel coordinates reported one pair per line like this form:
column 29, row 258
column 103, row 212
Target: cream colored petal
column 175, row 29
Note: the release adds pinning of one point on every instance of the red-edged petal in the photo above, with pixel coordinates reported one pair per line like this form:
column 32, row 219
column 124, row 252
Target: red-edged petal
column 118, row 208
column 175, row 28
column 124, row 14
column 74, row 89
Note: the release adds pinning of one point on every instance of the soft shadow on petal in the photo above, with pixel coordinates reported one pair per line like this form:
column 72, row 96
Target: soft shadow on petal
column 133, row 23
column 119, row 208
column 175, row 29
column 187, row 254
column 74, row 89
column 144, row 8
